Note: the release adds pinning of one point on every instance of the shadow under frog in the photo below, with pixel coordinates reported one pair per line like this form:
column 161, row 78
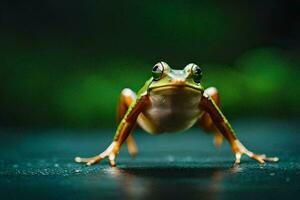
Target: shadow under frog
column 160, row 182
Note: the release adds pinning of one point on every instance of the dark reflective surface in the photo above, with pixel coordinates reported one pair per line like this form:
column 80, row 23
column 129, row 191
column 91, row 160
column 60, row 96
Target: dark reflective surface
column 39, row 164
column 174, row 172
column 172, row 182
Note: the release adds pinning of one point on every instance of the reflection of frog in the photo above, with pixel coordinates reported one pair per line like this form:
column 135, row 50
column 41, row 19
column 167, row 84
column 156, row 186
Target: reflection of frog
column 172, row 100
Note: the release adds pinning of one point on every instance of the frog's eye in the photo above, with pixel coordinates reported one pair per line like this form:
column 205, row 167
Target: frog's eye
column 196, row 73
column 157, row 71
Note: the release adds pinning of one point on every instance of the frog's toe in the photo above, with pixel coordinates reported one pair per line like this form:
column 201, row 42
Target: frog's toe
column 110, row 152
column 112, row 160
column 89, row 161
column 259, row 158
column 94, row 160
column 262, row 158
column 239, row 149
column 271, row 159
column 237, row 158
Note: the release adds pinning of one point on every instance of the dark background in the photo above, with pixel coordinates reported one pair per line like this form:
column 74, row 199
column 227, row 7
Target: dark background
column 64, row 63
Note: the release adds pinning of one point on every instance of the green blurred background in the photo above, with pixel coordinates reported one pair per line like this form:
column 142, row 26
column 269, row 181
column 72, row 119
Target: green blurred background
column 64, row 63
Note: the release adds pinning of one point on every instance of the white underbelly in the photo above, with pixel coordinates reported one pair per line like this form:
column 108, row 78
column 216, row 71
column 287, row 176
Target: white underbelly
column 171, row 110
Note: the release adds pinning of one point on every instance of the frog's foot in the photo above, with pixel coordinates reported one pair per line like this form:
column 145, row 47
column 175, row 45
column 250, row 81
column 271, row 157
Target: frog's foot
column 110, row 153
column 239, row 149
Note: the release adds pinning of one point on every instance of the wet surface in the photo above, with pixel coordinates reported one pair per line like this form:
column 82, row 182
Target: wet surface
column 39, row 164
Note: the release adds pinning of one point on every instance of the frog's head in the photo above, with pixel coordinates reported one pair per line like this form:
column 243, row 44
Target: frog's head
column 164, row 76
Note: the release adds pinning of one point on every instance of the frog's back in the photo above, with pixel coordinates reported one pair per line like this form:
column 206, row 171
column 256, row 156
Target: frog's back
column 172, row 109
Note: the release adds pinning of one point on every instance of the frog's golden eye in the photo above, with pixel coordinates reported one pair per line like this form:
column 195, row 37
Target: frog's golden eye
column 196, row 73
column 157, row 71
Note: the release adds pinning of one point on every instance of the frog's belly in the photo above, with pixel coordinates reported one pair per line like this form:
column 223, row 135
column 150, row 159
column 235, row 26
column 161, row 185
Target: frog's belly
column 171, row 110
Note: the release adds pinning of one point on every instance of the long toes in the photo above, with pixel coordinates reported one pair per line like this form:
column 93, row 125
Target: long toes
column 88, row 161
column 82, row 160
column 271, row 159
column 78, row 159
column 260, row 159
column 94, row 160
column 263, row 156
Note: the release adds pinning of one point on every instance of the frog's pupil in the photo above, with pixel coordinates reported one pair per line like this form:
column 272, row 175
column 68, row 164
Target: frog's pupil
column 197, row 74
column 155, row 68
column 156, row 72
column 197, row 71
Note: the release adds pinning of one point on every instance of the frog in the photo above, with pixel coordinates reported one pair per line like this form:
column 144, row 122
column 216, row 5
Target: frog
column 170, row 101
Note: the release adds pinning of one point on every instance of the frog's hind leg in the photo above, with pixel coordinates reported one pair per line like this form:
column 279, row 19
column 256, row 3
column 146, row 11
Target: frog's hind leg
column 206, row 122
column 127, row 97
column 209, row 105
column 124, row 129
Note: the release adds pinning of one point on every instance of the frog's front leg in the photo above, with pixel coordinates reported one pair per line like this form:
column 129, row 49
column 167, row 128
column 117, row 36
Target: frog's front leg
column 127, row 97
column 209, row 105
column 125, row 127
column 206, row 122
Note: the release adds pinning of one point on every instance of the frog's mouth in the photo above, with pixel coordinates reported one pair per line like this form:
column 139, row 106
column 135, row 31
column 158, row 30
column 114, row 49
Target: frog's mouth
column 177, row 87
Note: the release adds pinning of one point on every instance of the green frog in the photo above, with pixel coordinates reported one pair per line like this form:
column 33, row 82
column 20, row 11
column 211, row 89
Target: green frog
column 170, row 101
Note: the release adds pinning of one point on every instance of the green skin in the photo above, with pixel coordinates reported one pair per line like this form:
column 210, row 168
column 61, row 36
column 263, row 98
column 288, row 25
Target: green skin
column 171, row 81
column 172, row 100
